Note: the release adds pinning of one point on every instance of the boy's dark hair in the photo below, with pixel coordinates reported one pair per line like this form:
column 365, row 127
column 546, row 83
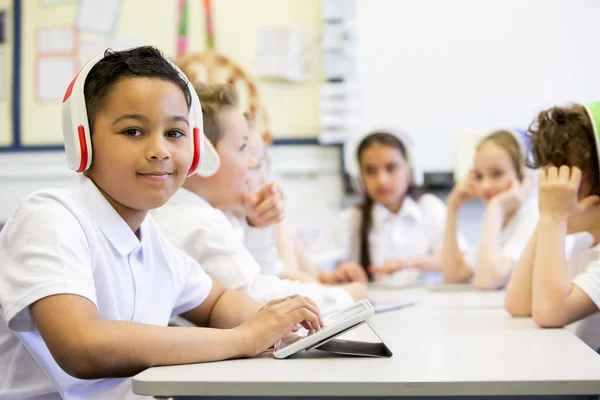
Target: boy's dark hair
column 389, row 140
column 215, row 99
column 565, row 136
column 142, row 62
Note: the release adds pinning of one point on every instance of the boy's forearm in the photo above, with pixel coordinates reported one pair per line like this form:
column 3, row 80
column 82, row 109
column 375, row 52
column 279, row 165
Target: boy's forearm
column 519, row 289
column 222, row 316
column 551, row 280
column 114, row 349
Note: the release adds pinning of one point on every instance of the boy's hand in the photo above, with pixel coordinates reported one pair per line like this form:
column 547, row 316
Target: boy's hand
column 350, row 271
column 558, row 189
column 265, row 207
column 276, row 319
column 515, row 195
column 462, row 192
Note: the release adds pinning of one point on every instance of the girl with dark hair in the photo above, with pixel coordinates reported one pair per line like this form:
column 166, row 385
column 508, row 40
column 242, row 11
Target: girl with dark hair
column 395, row 229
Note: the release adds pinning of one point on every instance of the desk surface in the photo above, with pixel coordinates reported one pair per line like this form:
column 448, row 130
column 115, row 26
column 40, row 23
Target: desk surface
column 449, row 344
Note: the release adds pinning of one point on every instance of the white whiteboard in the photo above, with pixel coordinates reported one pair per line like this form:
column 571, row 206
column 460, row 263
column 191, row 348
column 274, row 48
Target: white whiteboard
column 439, row 67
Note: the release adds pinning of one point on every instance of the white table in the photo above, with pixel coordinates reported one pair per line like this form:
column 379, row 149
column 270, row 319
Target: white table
column 449, row 344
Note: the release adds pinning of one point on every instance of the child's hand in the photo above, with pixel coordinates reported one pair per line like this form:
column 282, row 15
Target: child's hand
column 515, row 195
column 265, row 207
column 462, row 192
column 276, row 319
column 390, row 266
column 350, row 271
column 558, row 193
column 357, row 290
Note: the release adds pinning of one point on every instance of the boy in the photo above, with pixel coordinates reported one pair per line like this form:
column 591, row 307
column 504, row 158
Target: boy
column 88, row 284
column 565, row 145
column 193, row 220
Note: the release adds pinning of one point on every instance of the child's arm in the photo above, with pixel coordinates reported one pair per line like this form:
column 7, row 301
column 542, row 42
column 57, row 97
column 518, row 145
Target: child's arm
column 556, row 301
column 491, row 269
column 88, row 347
column 519, row 289
column 454, row 267
column 215, row 311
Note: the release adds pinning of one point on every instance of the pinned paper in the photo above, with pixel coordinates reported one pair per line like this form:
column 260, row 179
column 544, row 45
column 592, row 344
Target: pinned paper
column 56, row 41
column 98, row 16
column 53, row 77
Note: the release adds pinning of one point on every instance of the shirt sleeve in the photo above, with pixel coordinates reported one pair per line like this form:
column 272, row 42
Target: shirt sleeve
column 516, row 243
column 266, row 288
column 196, row 286
column 589, row 282
column 434, row 211
column 261, row 243
column 43, row 251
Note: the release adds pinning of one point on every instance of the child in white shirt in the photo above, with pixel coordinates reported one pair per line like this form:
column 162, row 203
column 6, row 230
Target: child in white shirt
column 395, row 230
column 195, row 223
column 565, row 145
column 500, row 180
column 88, row 283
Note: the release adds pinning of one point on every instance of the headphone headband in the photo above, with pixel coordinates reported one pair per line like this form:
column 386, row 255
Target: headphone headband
column 77, row 132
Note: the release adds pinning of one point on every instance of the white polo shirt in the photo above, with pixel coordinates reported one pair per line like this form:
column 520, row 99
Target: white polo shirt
column 515, row 234
column 585, row 264
column 206, row 234
column 260, row 242
column 416, row 230
column 72, row 241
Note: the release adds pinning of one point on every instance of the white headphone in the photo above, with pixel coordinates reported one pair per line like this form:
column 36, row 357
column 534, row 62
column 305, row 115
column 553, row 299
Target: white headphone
column 77, row 135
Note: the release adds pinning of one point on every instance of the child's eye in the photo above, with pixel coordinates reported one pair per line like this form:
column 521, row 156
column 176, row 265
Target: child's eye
column 175, row 134
column 370, row 171
column 497, row 174
column 132, row 132
column 243, row 147
column 478, row 177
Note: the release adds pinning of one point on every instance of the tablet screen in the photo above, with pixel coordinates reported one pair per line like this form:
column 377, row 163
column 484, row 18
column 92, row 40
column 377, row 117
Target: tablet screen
column 330, row 322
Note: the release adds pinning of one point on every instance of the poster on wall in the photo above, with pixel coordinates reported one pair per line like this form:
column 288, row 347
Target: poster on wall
column 2, row 26
column 98, row 16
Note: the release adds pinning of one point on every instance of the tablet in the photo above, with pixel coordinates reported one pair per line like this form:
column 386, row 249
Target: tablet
column 333, row 324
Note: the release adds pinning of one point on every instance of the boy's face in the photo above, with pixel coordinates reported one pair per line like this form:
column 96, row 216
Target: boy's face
column 141, row 144
column 230, row 179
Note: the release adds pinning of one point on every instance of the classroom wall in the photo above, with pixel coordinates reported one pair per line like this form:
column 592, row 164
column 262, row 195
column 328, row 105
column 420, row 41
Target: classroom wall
column 439, row 68
column 292, row 107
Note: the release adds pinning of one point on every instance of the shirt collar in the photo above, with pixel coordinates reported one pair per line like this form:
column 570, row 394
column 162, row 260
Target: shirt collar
column 103, row 214
column 410, row 210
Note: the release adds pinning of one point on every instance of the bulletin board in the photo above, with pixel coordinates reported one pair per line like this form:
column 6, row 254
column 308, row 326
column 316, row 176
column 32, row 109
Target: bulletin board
column 59, row 36
column 56, row 37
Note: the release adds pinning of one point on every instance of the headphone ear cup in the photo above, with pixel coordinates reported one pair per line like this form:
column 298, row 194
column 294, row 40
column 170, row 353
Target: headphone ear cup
column 196, row 150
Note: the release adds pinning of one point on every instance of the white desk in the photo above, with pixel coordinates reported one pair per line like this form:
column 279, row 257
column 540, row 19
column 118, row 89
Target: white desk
column 449, row 344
